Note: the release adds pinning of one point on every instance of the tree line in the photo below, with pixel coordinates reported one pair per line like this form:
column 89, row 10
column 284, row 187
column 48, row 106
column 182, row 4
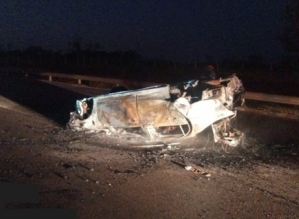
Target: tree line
column 128, row 64
column 91, row 59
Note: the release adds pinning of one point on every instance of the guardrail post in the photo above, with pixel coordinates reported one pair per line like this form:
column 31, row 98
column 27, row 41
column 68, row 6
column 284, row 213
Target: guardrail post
column 79, row 81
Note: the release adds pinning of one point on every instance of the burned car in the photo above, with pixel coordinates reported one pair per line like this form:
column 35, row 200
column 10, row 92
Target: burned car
column 166, row 112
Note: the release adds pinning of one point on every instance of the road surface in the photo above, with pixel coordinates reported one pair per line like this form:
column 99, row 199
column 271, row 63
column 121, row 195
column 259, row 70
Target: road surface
column 97, row 179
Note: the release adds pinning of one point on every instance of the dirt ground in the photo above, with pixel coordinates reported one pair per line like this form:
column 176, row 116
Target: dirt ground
column 96, row 178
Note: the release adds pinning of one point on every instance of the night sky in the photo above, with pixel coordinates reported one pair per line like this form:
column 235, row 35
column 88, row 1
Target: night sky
column 179, row 30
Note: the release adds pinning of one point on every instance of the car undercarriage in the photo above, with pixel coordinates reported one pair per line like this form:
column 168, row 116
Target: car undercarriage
column 161, row 113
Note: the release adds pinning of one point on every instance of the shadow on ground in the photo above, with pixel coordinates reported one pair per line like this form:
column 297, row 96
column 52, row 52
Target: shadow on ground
column 53, row 102
column 269, row 130
column 269, row 140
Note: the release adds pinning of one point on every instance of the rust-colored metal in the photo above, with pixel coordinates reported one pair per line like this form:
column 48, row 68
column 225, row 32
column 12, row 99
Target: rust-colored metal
column 160, row 112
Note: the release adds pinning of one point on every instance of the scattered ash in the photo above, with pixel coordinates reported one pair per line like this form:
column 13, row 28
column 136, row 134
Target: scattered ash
column 149, row 154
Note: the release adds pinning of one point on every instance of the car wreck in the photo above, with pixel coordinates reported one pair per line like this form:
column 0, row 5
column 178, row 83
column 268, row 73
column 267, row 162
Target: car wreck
column 167, row 112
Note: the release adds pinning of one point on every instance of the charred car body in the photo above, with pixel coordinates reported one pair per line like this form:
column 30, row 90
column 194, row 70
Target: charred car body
column 160, row 113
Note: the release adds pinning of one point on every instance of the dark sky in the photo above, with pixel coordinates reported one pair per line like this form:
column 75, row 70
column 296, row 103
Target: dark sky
column 172, row 29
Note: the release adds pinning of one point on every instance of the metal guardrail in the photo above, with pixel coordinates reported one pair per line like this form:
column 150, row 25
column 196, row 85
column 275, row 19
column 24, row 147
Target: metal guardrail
column 290, row 100
column 113, row 81
column 272, row 98
column 248, row 95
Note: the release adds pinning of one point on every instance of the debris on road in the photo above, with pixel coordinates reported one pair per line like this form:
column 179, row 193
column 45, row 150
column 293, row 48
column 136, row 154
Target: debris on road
column 197, row 170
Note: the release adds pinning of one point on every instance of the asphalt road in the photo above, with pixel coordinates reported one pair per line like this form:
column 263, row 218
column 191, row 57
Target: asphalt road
column 94, row 178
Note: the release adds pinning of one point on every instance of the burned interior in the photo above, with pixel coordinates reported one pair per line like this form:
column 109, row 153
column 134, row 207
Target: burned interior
column 165, row 112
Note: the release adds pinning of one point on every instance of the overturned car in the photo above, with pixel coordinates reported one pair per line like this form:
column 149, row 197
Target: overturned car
column 166, row 112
